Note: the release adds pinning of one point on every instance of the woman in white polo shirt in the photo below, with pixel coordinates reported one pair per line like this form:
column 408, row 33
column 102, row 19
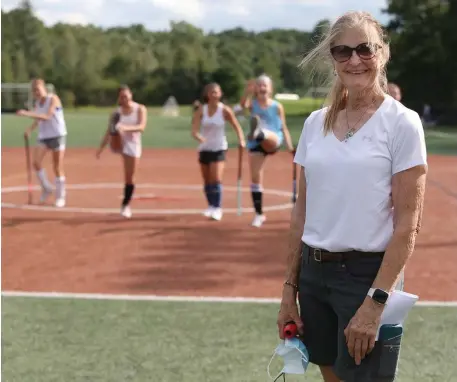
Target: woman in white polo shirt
column 360, row 157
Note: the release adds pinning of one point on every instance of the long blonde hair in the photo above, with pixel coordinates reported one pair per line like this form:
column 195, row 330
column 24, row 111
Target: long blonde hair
column 337, row 96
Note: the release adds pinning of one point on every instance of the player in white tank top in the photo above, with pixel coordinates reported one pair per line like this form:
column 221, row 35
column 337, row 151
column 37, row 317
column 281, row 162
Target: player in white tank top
column 52, row 132
column 129, row 121
column 208, row 128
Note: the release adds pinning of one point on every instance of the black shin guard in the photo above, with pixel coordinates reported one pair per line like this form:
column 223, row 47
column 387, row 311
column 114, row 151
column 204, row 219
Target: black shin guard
column 257, row 201
column 128, row 192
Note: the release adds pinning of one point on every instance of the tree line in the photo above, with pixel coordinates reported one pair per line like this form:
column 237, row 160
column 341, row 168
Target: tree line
column 87, row 63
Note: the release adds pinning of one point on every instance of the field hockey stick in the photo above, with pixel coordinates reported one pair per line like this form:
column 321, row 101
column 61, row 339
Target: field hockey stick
column 29, row 168
column 238, row 181
column 294, row 180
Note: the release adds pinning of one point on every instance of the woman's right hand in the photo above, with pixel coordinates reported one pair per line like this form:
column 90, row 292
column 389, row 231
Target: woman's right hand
column 289, row 312
column 250, row 87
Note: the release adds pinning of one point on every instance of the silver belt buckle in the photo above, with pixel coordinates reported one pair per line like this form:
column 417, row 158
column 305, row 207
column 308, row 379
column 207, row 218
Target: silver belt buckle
column 319, row 257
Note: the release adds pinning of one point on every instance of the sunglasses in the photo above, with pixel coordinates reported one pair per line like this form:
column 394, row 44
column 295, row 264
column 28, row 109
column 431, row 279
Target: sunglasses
column 343, row 53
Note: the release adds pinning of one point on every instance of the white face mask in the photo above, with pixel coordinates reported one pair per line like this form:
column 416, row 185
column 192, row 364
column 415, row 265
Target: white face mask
column 295, row 357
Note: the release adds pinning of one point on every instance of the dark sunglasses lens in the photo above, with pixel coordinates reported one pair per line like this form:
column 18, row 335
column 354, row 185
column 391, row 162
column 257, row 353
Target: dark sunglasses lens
column 365, row 51
column 341, row 53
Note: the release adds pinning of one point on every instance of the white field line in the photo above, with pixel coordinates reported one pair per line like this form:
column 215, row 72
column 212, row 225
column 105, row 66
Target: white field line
column 440, row 134
column 130, row 297
column 143, row 211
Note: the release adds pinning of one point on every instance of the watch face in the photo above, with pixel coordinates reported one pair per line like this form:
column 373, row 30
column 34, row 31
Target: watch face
column 380, row 296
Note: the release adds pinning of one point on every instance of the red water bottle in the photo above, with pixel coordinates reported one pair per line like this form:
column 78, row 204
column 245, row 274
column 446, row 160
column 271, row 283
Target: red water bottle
column 290, row 330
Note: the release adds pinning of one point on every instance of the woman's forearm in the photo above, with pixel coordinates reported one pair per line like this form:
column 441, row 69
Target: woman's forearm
column 197, row 136
column 41, row 117
column 297, row 222
column 408, row 190
column 288, row 139
column 104, row 141
column 295, row 246
column 245, row 101
column 133, row 128
column 396, row 256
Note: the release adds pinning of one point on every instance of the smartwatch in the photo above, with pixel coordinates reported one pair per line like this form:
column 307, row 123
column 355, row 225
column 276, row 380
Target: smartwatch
column 378, row 295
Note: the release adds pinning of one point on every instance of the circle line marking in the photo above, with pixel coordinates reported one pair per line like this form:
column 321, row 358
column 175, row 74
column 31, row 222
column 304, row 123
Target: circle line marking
column 140, row 211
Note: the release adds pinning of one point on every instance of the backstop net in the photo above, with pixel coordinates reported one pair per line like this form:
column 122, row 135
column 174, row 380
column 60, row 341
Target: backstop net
column 170, row 107
column 17, row 96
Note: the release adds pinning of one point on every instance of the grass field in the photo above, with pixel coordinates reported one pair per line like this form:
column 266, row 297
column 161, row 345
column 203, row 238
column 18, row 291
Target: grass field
column 48, row 340
column 87, row 126
column 74, row 340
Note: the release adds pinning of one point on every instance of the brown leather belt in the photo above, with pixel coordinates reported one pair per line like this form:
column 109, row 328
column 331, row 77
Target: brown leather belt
column 324, row 256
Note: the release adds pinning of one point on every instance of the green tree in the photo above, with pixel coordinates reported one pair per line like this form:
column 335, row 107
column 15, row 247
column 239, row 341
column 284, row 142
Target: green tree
column 419, row 52
column 87, row 63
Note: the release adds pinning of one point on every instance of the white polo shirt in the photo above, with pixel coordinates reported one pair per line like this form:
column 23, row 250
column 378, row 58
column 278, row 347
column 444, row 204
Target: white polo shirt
column 349, row 184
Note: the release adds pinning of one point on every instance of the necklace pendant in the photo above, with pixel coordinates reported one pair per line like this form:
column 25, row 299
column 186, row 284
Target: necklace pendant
column 348, row 135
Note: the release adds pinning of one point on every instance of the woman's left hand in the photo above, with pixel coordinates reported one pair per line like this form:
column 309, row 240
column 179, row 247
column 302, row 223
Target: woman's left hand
column 361, row 330
column 120, row 128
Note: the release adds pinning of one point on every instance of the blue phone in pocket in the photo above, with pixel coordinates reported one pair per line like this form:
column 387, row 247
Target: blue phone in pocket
column 387, row 332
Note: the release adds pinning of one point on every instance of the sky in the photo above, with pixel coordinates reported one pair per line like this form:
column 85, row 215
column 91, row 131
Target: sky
column 209, row 15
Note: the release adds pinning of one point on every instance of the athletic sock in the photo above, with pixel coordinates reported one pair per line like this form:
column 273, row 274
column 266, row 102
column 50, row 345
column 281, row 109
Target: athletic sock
column 256, row 192
column 60, row 187
column 43, row 179
column 128, row 192
column 217, row 194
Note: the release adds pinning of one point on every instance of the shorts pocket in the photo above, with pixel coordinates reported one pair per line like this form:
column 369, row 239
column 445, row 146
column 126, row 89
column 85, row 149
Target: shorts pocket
column 361, row 267
column 386, row 355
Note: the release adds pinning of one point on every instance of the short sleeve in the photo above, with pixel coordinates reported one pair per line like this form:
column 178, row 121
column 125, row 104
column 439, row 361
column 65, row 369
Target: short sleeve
column 408, row 147
column 300, row 153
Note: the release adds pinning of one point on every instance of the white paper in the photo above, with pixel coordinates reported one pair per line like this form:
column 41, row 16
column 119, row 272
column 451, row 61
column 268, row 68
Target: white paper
column 398, row 306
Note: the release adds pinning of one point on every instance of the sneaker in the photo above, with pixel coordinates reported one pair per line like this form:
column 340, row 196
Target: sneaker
column 126, row 212
column 45, row 194
column 254, row 127
column 258, row 220
column 208, row 212
column 216, row 214
column 60, row 202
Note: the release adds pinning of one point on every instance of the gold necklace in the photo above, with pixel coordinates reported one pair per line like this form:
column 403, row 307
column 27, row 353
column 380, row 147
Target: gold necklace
column 351, row 131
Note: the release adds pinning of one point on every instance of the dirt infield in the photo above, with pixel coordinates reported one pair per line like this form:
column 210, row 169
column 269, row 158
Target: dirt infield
column 90, row 249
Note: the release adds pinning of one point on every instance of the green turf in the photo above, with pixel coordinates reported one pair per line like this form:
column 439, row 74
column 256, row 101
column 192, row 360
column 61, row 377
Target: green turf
column 47, row 340
column 441, row 140
column 87, row 127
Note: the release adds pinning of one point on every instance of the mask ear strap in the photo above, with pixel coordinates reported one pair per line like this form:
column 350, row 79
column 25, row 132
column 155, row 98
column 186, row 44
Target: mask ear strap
column 304, row 355
column 268, row 369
